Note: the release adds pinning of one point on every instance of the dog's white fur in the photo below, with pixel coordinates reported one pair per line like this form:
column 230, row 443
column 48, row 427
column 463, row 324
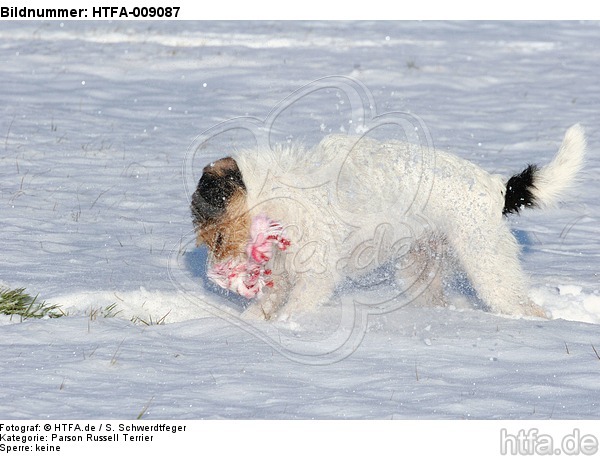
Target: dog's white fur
column 336, row 198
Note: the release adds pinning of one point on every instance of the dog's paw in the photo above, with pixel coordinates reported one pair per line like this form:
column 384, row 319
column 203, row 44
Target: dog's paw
column 264, row 308
column 254, row 312
column 531, row 309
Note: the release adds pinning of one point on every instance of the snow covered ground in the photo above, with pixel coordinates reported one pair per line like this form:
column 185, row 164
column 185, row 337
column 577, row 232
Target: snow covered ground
column 99, row 131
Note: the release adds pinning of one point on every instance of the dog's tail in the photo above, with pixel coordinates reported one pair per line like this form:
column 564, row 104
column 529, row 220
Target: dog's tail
column 542, row 187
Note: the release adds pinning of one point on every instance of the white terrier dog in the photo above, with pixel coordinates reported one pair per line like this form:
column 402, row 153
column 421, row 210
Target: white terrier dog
column 286, row 226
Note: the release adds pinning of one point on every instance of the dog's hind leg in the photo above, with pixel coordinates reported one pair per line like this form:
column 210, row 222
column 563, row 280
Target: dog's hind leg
column 491, row 261
column 420, row 274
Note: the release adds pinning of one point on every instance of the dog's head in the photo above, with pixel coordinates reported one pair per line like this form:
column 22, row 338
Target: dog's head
column 219, row 209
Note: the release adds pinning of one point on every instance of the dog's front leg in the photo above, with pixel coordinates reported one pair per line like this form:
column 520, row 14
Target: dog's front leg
column 286, row 298
column 266, row 306
column 307, row 293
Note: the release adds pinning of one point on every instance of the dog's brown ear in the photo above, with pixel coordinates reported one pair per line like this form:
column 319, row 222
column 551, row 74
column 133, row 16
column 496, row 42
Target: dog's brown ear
column 219, row 182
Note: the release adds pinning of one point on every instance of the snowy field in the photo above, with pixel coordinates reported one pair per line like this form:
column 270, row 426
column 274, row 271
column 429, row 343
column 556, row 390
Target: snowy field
column 99, row 153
